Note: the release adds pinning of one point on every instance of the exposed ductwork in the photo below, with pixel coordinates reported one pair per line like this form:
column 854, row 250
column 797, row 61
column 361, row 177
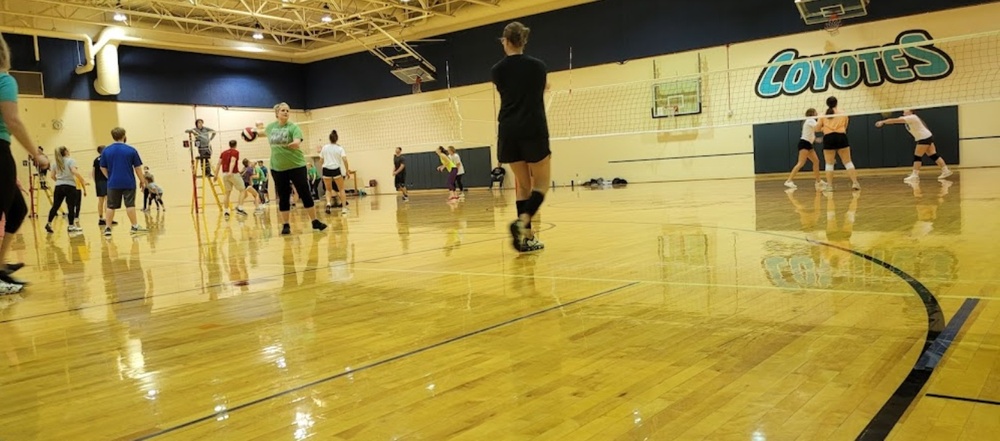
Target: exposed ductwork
column 108, row 80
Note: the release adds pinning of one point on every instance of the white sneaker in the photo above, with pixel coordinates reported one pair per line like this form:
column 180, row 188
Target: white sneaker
column 912, row 177
column 343, row 210
column 790, row 184
column 945, row 173
column 821, row 185
column 856, row 186
column 10, row 288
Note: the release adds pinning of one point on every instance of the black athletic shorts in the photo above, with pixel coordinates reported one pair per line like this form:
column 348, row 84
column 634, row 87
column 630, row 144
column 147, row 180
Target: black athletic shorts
column 835, row 141
column 926, row 141
column 527, row 150
column 805, row 145
column 331, row 172
column 102, row 188
column 116, row 195
column 400, row 180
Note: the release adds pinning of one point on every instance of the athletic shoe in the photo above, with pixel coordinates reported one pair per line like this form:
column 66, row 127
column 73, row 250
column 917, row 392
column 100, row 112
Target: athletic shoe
column 945, row 173
column 912, row 177
column 239, row 210
column 226, row 214
column 103, row 222
column 107, row 232
column 820, row 185
column 530, row 245
column 516, row 234
column 790, row 184
column 10, row 288
column 13, row 267
column 856, row 186
column 328, row 209
column 406, row 199
column 343, row 210
column 49, row 228
column 74, row 229
column 319, row 226
column 7, row 277
column 286, row 229
column 138, row 229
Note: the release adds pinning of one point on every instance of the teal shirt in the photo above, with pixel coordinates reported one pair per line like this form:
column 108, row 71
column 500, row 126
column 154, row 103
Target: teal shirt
column 8, row 92
column 282, row 157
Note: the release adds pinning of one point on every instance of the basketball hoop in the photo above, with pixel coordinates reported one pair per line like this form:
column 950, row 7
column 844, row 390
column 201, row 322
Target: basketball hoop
column 416, row 85
column 833, row 24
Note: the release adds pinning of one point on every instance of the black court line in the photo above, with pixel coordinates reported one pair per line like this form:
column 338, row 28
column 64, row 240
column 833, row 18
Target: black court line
column 622, row 161
column 383, row 361
column 971, row 400
column 972, row 138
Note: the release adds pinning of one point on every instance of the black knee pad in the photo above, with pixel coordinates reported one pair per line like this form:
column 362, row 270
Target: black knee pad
column 917, row 158
column 935, row 157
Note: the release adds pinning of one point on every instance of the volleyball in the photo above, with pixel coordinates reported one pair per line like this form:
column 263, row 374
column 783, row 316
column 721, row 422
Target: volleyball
column 249, row 134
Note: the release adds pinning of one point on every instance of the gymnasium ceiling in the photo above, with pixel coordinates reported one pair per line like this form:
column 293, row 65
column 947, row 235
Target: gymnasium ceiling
column 293, row 30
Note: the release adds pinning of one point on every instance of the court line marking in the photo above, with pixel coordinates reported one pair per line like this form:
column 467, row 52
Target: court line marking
column 971, row 400
column 384, row 361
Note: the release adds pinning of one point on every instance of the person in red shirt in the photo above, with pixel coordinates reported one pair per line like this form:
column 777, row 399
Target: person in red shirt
column 231, row 179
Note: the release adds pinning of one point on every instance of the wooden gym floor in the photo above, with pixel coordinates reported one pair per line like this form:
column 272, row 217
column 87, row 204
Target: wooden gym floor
column 709, row 310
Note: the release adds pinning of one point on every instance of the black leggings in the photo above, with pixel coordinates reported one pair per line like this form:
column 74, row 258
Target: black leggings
column 68, row 193
column 458, row 183
column 12, row 204
column 283, row 182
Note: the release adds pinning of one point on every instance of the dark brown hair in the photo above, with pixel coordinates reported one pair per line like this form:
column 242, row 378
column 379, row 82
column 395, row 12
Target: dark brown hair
column 516, row 34
column 333, row 136
column 831, row 103
column 811, row 112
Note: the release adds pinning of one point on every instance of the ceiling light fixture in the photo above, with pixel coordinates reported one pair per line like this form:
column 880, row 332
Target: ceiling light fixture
column 327, row 18
column 119, row 16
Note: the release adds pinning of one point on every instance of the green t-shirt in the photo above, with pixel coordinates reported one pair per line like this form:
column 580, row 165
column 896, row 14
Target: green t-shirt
column 313, row 173
column 282, row 157
column 258, row 175
column 8, row 92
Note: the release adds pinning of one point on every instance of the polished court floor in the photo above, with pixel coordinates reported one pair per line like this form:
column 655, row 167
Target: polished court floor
column 715, row 310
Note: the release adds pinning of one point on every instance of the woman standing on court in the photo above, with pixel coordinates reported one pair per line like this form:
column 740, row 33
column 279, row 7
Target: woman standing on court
column 453, row 155
column 12, row 205
column 523, row 132
column 335, row 169
column 835, row 143
column 65, row 173
column 925, row 143
column 806, row 151
column 288, row 166
column 448, row 166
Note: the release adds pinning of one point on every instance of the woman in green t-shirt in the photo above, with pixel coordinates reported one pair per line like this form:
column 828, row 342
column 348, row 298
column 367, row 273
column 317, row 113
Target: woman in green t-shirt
column 288, row 166
column 13, row 209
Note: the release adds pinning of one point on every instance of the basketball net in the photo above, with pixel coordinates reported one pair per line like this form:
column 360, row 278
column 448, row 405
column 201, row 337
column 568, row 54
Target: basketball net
column 416, row 85
column 833, row 25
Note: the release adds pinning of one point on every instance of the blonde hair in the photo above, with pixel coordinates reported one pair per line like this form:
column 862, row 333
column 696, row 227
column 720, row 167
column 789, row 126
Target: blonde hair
column 118, row 134
column 60, row 163
column 4, row 55
column 279, row 106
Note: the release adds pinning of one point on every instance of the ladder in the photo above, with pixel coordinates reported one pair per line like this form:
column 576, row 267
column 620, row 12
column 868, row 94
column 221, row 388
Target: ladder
column 198, row 186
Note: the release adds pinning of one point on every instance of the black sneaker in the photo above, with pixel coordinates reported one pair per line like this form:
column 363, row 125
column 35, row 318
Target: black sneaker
column 13, row 267
column 328, row 209
column 287, row 229
column 318, row 226
column 102, row 222
column 49, row 228
column 515, row 234
column 5, row 276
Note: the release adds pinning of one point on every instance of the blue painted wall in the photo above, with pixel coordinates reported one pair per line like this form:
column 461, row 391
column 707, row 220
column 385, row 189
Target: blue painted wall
column 601, row 32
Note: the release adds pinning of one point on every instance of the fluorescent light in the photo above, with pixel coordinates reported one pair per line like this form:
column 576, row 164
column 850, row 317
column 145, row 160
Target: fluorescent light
column 327, row 19
column 257, row 35
column 119, row 16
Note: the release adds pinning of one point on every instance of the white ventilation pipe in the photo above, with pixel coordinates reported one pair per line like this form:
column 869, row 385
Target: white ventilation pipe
column 108, row 80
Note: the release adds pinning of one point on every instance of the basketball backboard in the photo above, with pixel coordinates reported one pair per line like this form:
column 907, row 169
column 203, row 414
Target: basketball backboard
column 821, row 11
column 409, row 75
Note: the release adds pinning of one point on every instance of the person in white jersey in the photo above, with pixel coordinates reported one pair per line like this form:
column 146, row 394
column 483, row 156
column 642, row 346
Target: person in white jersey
column 925, row 143
column 453, row 155
column 335, row 169
column 806, row 151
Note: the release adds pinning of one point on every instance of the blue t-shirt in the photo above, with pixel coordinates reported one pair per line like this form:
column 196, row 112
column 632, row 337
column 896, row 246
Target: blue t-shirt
column 121, row 160
column 8, row 92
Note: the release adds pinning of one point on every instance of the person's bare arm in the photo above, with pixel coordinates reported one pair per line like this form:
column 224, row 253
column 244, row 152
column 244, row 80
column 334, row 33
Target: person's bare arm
column 16, row 127
column 141, row 176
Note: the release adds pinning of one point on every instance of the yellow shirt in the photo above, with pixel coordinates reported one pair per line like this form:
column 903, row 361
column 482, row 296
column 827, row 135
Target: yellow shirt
column 835, row 123
column 446, row 162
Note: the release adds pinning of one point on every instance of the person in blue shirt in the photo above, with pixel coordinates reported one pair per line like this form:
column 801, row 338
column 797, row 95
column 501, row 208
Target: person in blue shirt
column 119, row 162
column 12, row 205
